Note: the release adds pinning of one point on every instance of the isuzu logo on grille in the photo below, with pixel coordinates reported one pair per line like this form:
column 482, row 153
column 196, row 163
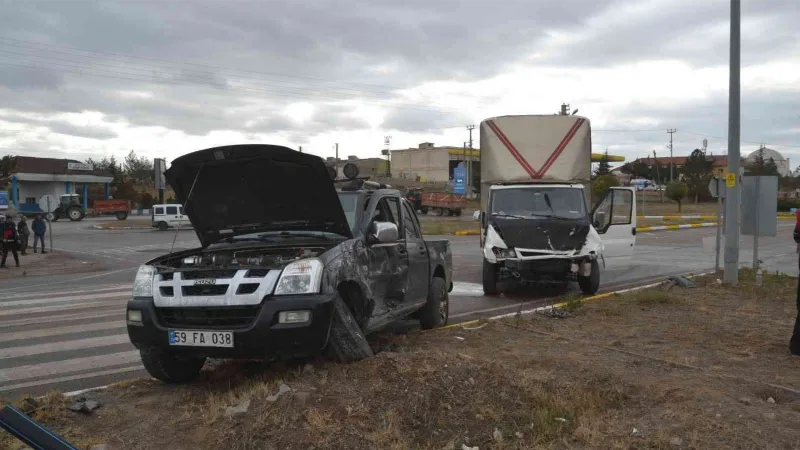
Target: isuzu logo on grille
column 205, row 281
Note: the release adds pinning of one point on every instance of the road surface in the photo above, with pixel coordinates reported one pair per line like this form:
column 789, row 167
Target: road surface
column 67, row 332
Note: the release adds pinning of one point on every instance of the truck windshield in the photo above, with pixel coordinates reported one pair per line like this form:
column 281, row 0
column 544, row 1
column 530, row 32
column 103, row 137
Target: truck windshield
column 350, row 206
column 566, row 203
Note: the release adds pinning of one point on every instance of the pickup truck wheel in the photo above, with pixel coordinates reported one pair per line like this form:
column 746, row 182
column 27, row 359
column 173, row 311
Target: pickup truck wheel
column 171, row 368
column 122, row 215
column 346, row 342
column 489, row 278
column 162, row 226
column 591, row 284
column 437, row 308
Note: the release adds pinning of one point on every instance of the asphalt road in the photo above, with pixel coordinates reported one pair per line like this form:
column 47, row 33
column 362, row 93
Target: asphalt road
column 67, row 332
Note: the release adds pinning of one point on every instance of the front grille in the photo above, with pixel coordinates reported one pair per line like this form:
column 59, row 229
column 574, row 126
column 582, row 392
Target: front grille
column 247, row 288
column 257, row 273
column 167, row 276
column 167, row 291
column 217, row 317
column 198, row 274
column 205, row 289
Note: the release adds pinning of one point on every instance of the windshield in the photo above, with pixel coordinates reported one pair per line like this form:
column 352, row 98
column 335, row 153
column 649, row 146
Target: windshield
column 350, row 206
column 526, row 202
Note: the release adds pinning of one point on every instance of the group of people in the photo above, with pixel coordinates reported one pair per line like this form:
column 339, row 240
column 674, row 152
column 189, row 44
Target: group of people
column 15, row 237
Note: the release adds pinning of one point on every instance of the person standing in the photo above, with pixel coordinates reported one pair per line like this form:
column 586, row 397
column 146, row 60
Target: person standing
column 39, row 228
column 10, row 242
column 24, row 235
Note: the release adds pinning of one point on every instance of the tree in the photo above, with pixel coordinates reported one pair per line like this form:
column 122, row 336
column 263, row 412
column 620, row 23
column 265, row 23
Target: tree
column 138, row 168
column 146, row 200
column 697, row 171
column 604, row 168
column 676, row 191
column 760, row 165
column 636, row 169
column 5, row 165
column 602, row 183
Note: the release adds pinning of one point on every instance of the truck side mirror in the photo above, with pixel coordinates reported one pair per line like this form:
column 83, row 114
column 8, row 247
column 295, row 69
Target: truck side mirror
column 383, row 233
column 483, row 219
column 599, row 220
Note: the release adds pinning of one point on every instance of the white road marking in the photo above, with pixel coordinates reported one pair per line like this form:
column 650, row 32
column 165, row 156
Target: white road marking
column 48, row 332
column 64, row 346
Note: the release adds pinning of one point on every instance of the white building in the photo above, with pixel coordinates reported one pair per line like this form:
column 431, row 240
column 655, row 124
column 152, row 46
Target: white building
column 784, row 168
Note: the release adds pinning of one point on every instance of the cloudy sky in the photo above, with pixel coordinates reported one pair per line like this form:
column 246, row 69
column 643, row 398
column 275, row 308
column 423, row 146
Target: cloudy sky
column 92, row 79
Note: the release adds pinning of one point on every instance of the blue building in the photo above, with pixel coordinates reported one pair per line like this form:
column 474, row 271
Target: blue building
column 30, row 178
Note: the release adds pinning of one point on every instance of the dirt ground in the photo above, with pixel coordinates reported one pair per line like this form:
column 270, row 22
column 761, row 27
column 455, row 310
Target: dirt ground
column 697, row 368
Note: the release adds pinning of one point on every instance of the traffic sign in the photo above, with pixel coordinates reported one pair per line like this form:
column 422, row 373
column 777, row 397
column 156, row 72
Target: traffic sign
column 459, row 180
column 49, row 217
column 730, row 180
column 48, row 203
column 717, row 188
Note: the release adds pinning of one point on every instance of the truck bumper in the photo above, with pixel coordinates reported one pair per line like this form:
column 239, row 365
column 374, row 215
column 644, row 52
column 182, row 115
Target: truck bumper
column 550, row 269
column 256, row 330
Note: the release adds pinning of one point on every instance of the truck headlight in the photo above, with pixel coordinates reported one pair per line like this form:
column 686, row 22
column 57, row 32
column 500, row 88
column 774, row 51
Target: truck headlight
column 300, row 277
column 143, row 283
column 504, row 252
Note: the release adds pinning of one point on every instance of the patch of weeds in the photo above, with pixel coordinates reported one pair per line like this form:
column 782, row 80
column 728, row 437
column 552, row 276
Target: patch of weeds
column 651, row 297
column 572, row 303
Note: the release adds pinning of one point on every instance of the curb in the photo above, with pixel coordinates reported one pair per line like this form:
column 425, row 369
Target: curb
column 677, row 227
column 98, row 227
column 468, row 233
column 562, row 304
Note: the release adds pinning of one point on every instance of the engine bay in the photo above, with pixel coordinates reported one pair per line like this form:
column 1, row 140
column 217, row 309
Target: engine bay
column 250, row 258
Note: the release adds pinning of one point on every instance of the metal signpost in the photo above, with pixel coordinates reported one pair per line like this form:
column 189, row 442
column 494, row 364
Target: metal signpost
column 459, row 180
column 759, row 206
column 160, row 166
column 719, row 191
column 48, row 204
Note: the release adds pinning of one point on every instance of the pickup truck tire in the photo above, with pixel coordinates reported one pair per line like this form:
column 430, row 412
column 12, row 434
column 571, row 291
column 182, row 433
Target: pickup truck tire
column 489, row 278
column 437, row 308
column 591, row 284
column 346, row 342
column 162, row 226
column 122, row 215
column 171, row 368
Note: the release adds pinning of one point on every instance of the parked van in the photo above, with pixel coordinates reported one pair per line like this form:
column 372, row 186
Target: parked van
column 168, row 216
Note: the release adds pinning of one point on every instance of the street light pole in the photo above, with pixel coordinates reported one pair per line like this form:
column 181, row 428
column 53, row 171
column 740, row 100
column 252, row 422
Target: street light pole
column 733, row 190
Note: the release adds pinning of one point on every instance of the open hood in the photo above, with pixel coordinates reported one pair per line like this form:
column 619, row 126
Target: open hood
column 542, row 233
column 241, row 189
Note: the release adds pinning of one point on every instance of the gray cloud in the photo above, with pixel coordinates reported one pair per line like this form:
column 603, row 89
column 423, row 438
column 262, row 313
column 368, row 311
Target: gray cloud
column 418, row 121
column 90, row 131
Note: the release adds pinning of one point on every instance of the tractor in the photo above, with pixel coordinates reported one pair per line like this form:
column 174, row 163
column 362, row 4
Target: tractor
column 69, row 206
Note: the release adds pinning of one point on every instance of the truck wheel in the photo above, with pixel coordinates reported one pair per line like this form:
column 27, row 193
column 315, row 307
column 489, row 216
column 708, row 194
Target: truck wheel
column 162, row 226
column 591, row 284
column 346, row 342
column 75, row 214
column 457, row 213
column 437, row 308
column 171, row 368
column 489, row 278
column 122, row 215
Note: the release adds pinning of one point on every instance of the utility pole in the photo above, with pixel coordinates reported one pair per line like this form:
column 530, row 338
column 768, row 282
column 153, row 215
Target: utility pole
column 733, row 200
column 670, row 131
column 468, row 164
column 336, row 164
column 301, row 149
column 658, row 175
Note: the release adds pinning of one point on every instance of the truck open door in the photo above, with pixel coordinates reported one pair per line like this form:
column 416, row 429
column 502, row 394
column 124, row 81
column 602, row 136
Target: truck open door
column 614, row 218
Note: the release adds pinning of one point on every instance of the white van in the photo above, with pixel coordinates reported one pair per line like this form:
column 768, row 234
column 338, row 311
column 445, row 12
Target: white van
column 168, row 216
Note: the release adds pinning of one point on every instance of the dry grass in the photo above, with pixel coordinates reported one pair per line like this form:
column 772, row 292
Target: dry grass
column 694, row 365
column 130, row 222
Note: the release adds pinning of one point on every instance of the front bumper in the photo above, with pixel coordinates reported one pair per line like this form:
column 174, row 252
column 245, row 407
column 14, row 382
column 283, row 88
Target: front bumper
column 551, row 269
column 263, row 337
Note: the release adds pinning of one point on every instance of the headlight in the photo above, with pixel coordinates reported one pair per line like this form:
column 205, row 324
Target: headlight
column 300, row 277
column 504, row 252
column 143, row 283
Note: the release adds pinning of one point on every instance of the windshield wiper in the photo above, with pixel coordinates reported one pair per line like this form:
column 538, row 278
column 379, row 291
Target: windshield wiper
column 552, row 216
column 513, row 216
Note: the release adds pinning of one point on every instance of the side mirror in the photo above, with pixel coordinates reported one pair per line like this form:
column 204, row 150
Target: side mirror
column 482, row 218
column 599, row 219
column 383, row 233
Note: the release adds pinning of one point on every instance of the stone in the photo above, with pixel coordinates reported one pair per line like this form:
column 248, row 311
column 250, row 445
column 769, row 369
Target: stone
column 236, row 410
column 676, row 441
column 497, row 435
column 771, row 401
column 282, row 389
column 746, row 401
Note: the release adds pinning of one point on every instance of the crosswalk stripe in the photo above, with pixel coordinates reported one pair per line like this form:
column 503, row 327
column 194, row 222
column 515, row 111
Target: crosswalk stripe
column 81, row 305
column 53, row 368
column 14, row 387
column 19, row 295
column 48, row 332
column 59, row 318
column 44, row 301
column 64, row 346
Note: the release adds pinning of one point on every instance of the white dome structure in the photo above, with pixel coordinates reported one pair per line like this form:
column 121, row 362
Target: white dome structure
column 782, row 163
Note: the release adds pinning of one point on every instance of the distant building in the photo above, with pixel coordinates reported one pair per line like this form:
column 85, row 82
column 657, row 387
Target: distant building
column 784, row 168
column 30, row 178
column 428, row 163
